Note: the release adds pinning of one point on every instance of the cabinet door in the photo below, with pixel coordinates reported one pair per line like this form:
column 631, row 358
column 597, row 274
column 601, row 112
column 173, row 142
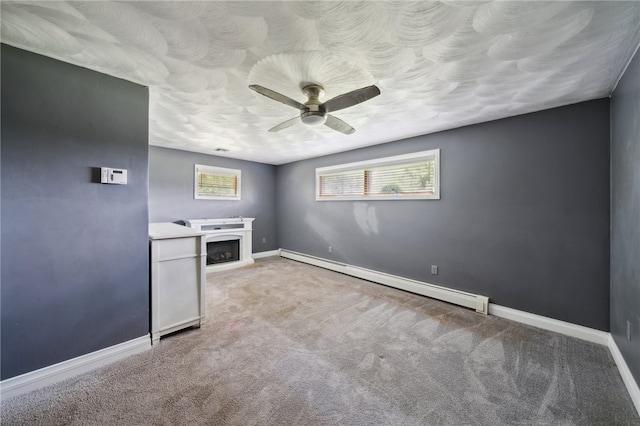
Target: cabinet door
column 178, row 291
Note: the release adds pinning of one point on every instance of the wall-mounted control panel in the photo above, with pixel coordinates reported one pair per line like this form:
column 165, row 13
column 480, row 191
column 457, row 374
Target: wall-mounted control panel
column 115, row 176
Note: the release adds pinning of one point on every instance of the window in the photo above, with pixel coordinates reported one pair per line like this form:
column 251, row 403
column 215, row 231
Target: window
column 216, row 183
column 402, row 177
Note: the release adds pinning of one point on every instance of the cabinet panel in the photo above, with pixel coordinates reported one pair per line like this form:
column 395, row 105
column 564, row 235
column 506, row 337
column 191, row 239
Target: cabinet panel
column 178, row 291
column 177, row 247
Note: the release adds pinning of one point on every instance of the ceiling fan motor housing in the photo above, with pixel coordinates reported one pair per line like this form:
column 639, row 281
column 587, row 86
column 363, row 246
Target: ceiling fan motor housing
column 313, row 114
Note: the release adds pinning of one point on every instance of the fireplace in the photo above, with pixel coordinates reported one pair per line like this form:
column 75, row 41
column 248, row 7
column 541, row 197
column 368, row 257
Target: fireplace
column 228, row 241
column 223, row 251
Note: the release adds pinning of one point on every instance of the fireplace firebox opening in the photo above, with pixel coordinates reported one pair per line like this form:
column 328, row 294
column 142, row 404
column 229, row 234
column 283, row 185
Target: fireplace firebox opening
column 223, row 251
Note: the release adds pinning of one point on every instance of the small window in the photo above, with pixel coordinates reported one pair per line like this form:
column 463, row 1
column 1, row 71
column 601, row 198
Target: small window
column 402, row 177
column 216, row 183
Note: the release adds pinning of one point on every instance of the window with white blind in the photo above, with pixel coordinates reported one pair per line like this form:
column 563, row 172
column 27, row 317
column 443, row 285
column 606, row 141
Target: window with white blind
column 401, row 177
column 216, row 183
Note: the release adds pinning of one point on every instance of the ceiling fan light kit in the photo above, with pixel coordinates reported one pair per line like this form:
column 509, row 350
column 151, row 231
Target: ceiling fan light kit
column 313, row 118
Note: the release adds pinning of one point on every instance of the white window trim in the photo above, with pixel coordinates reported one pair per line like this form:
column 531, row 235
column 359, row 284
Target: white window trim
column 218, row 171
column 379, row 162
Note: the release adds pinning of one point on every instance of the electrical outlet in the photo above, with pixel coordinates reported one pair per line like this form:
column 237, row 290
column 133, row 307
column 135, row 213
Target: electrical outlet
column 434, row 269
column 330, row 249
column 628, row 330
column 264, row 240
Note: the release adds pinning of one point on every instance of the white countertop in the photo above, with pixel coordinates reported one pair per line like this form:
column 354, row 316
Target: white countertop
column 164, row 230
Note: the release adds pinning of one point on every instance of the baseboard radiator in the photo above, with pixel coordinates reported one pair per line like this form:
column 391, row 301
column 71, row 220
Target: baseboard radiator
column 468, row 300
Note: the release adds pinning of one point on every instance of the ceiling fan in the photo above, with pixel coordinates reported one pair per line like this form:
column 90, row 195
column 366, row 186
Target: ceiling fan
column 313, row 112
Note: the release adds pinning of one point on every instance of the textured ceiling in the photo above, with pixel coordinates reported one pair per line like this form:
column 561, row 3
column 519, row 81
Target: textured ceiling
column 439, row 65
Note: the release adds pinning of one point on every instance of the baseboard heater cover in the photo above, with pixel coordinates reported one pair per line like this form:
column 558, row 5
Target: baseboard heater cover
column 468, row 300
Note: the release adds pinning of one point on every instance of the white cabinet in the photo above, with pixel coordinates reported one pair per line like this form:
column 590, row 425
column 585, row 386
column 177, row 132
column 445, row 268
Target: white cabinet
column 178, row 278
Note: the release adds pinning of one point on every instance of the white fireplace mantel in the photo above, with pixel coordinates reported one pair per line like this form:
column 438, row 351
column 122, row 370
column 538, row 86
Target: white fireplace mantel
column 227, row 229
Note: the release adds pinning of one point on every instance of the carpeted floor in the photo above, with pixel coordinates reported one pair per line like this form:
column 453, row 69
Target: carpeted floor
column 290, row 344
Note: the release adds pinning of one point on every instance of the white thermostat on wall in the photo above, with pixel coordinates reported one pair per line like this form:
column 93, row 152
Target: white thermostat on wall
column 115, row 176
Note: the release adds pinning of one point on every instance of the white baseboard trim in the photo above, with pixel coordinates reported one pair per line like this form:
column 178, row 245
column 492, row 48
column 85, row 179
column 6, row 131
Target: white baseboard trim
column 627, row 377
column 262, row 254
column 562, row 327
column 468, row 300
column 42, row 377
column 584, row 333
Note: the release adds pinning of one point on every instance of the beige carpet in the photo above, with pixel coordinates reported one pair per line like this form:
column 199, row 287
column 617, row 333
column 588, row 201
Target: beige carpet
column 291, row 344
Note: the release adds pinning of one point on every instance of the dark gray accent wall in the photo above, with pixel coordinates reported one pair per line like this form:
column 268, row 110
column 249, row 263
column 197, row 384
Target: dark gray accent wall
column 523, row 216
column 74, row 252
column 171, row 180
column 625, row 215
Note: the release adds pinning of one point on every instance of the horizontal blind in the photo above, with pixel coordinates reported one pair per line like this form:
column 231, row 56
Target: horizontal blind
column 416, row 178
column 217, row 184
column 343, row 184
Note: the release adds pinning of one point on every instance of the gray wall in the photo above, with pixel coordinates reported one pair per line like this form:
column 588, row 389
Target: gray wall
column 625, row 215
column 74, row 252
column 523, row 218
column 171, row 192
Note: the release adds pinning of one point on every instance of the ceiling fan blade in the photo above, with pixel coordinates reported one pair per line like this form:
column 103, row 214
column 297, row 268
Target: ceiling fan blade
column 285, row 124
column 339, row 125
column 352, row 98
column 276, row 96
